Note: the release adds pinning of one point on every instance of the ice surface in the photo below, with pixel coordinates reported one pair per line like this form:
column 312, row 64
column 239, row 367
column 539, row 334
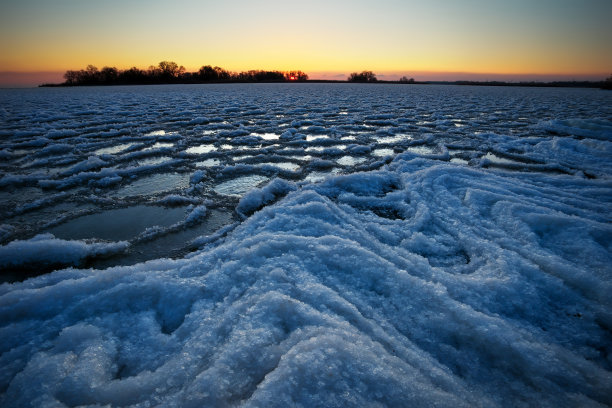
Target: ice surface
column 442, row 265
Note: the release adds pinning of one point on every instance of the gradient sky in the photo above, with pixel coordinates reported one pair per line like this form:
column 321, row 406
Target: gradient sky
column 429, row 39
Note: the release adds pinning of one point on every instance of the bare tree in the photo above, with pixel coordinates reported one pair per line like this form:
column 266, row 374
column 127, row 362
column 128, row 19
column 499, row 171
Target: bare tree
column 364, row 76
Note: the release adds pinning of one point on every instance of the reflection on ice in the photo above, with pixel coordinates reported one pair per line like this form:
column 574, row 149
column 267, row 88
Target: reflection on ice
column 459, row 160
column 158, row 145
column 114, row 149
column 208, row 163
column 267, row 136
column 310, row 138
column 382, row 152
column 201, row 149
column 350, row 160
column 316, row 176
column 498, row 160
column 154, row 160
column 170, row 245
column 156, row 133
column 282, row 165
column 399, row 137
column 118, row 224
column 424, row 150
column 240, row 185
column 154, row 184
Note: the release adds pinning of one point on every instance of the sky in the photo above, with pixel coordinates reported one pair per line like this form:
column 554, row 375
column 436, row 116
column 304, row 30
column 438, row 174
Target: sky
column 426, row 40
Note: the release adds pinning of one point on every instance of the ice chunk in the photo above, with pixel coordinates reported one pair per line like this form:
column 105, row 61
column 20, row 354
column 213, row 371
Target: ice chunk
column 259, row 197
column 197, row 214
column 46, row 249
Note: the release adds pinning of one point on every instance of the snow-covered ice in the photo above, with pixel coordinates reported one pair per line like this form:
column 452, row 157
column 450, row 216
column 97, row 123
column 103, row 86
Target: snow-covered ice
column 308, row 245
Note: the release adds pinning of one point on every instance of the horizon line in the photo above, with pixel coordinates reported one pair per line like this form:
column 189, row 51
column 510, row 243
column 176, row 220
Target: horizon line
column 15, row 78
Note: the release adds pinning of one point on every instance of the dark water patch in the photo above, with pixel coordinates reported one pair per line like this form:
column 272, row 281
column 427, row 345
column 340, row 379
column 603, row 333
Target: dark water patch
column 154, row 184
column 172, row 245
column 118, row 224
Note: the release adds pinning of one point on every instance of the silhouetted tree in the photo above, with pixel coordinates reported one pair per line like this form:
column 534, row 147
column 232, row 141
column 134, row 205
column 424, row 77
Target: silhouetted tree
column 296, row 76
column 169, row 70
column 133, row 76
column 72, row 77
column 108, row 75
column 364, row 76
column 405, row 80
column 208, row 73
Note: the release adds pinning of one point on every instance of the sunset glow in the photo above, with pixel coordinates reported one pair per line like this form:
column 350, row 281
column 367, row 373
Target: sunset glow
column 520, row 39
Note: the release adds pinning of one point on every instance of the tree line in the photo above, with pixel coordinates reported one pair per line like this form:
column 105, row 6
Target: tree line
column 369, row 76
column 169, row 72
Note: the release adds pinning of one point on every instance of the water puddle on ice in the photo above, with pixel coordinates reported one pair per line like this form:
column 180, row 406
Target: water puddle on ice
column 306, row 157
column 239, row 186
column 156, row 133
column 350, row 160
column 267, row 136
column 459, row 161
column 118, row 224
column 498, row 160
column 240, row 158
column 208, row 163
column 154, row 184
column 310, row 138
column 57, row 170
column 201, row 149
column 315, row 148
column 317, row 176
column 382, row 152
column 171, row 245
column 282, row 165
column 113, row 149
column 158, row 145
column 425, row 150
column 400, row 137
column 154, row 160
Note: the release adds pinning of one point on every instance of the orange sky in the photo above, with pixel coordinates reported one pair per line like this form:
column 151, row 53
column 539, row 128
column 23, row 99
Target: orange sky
column 435, row 39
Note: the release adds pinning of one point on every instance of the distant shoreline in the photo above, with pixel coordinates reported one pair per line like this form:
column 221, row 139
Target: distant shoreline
column 531, row 84
column 169, row 72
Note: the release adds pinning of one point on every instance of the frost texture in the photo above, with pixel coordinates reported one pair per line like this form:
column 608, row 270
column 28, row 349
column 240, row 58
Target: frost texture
column 465, row 264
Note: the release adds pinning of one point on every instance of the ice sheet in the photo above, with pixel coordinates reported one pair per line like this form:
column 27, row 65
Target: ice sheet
column 408, row 278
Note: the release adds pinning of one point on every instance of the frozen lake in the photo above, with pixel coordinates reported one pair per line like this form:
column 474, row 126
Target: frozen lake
column 308, row 244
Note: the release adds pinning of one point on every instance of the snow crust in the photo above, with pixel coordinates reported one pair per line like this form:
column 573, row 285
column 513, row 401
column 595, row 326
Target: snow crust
column 45, row 248
column 407, row 279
